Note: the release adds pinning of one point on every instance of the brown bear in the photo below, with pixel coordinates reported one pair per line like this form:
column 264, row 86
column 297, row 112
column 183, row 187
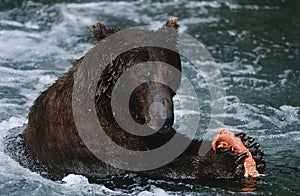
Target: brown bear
column 52, row 139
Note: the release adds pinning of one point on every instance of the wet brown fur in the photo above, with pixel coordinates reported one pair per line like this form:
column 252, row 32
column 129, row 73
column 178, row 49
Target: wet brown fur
column 53, row 140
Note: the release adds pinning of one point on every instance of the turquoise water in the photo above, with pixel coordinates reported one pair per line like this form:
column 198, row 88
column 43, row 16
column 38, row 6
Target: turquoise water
column 255, row 43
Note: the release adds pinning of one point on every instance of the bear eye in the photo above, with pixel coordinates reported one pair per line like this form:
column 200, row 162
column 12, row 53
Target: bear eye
column 167, row 71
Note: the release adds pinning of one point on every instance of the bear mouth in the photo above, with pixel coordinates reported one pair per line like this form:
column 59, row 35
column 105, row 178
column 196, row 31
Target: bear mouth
column 158, row 117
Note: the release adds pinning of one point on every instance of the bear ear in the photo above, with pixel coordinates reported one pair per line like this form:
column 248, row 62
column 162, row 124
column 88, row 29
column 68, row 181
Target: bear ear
column 168, row 33
column 98, row 30
column 172, row 23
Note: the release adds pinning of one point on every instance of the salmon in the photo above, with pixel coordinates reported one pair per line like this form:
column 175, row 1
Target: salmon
column 227, row 139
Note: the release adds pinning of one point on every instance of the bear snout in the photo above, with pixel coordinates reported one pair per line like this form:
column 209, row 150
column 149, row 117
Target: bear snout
column 151, row 103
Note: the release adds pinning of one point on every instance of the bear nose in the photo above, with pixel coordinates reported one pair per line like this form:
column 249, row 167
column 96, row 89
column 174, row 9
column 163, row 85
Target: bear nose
column 158, row 111
column 169, row 121
column 161, row 114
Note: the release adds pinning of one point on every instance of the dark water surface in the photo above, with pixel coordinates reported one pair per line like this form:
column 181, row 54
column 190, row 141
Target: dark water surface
column 255, row 43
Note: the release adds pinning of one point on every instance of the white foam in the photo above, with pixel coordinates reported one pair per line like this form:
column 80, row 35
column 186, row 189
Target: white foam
column 206, row 20
column 82, row 185
column 211, row 4
column 73, row 179
column 234, row 6
column 290, row 113
column 27, row 46
column 12, row 122
column 28, row 25
column 154, row 192
column 186, row 112
column 291, row 136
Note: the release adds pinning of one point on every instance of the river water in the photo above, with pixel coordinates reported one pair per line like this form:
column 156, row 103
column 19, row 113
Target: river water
column 255, row 43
